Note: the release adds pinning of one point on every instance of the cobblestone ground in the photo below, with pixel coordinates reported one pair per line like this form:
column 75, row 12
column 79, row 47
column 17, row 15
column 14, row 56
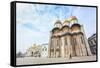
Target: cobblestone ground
column 32, row 60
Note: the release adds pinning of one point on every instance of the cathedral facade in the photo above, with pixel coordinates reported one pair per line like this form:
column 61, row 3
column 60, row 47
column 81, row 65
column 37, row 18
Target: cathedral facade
column 68, row 39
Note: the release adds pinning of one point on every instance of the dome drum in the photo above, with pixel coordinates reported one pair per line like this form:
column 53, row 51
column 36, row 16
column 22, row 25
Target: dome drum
column 75, row 27
column 58, row 24
column 65, row 29
column 55, row 30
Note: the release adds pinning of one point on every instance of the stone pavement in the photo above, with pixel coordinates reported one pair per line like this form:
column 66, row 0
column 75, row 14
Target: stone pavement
column 32, row 60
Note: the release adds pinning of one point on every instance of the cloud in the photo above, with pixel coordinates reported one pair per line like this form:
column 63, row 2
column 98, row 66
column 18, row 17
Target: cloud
column 35, row 21
column 26, row 37
column 30, row 26
column 86, row 17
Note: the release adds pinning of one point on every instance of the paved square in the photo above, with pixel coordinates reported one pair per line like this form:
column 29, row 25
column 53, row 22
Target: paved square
column 32, row 60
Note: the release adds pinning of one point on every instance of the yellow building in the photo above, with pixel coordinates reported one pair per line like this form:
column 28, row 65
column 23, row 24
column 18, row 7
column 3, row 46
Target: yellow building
column 68, row 39
column 37, row 51
column 34, row 51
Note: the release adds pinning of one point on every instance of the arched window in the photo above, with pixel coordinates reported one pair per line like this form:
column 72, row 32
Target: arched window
column 57, row 42
column 71, row 41
column 89, row 42
column 66, row 41
column 82, row 39
column 74, row 41
column 31, row 53
column 52, row 43
column 95, row 40
column 57, row 52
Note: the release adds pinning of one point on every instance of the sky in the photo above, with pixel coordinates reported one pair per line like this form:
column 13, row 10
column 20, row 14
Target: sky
column 35, row 21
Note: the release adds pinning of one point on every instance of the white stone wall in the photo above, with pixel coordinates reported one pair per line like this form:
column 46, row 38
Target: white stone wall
column 73, row 48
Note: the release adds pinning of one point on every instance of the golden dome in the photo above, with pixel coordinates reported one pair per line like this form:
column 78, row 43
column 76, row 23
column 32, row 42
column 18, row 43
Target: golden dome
column 66, row 21
column 72, row 18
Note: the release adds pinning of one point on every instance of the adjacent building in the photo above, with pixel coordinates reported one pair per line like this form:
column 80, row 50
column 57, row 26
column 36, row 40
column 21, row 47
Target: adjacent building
column 92, row 43
column 44, row 50
column 37, row 51
column 68, row 39
column 34, row 51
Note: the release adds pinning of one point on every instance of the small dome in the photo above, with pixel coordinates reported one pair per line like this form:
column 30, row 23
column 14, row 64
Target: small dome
column 76, row 27
column 65, row 28
column 72, row 18
column 58, row 24
column 76, row 24
column 55, row 30
column 66, row 22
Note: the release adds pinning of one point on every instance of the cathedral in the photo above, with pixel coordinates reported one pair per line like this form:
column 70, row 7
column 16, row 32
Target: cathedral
column 68, row 39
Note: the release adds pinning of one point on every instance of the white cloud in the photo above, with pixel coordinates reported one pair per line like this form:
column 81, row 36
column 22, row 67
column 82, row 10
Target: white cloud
column 42, row 22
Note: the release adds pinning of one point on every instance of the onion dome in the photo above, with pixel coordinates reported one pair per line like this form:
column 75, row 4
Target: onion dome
column 58, row 24
column 66, row 22
column 73, row 18
column 76, row 27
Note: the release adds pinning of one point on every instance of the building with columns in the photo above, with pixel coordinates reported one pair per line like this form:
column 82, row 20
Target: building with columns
column 34, row 51
column 68, row 39
column 92, row 42
column 44, row 50
column 37, row 51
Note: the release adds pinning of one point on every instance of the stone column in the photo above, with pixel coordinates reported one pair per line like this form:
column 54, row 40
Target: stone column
column 62, row 47
column 80, row 45
column 54, row 48
column 59, row 43
column 84, row 47
column 50, row 43
column 69, row 46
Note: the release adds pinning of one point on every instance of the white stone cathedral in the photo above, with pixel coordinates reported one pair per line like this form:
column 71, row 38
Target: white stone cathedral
column 68, row 39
